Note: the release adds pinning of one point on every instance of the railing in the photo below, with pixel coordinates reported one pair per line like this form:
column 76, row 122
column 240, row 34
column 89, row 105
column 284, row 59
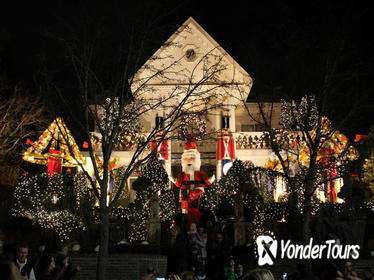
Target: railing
column 259, row 140
column 251, row 140
column 244, row 141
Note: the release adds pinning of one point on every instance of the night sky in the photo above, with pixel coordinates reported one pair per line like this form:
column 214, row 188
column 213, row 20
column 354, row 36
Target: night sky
column 287, row 47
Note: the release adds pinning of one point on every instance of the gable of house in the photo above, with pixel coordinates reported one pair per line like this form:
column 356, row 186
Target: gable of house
column 188, row 58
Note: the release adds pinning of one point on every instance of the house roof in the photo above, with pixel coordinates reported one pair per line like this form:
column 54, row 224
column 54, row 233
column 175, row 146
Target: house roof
column 192, row 57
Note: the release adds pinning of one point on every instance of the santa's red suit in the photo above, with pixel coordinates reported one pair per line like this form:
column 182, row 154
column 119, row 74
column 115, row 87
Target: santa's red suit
column 191, row 187
column 191, row 183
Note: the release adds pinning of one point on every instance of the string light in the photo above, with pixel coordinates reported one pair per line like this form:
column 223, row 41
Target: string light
column 121, row 117
column 192, row 127
column 45, row 200
column 257, row 185
column 56, row 137
column 368, row 176
column 153, row 180
column 300, row 116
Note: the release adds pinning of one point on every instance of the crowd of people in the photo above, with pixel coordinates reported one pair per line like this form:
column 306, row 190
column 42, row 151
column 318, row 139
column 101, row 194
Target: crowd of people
column 203, row 252
column 195, row 253
column 255, row 274
column 46, row 267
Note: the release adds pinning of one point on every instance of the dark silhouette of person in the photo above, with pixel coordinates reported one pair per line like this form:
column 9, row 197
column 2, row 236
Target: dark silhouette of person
column 219, row 252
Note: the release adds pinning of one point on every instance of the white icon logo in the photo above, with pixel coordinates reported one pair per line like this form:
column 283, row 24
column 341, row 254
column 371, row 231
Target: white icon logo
column 267, row 249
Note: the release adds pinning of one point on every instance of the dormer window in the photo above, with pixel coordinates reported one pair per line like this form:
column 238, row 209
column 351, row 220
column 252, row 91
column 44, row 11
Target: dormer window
column 159, row 122
column 225, row 122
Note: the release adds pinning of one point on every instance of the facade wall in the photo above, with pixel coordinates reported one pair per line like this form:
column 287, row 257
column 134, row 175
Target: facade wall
column 243, row 118
column 257, row 156
column 239, row 117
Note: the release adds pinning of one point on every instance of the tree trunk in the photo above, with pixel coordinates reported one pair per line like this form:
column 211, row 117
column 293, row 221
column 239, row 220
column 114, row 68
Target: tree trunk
column 307, row 264
column 293, row 214
column 104, row 240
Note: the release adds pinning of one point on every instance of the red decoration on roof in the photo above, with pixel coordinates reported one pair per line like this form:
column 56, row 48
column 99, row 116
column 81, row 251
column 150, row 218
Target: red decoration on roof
column 29, row 142
column 360, row 137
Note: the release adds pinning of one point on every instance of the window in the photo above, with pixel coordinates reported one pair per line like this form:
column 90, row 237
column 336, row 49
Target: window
column 225, row 122
column 159, row 122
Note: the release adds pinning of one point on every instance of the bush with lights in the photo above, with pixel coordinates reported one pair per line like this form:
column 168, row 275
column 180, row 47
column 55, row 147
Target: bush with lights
column 152, row 183
column 54, row 202
column 256, row 186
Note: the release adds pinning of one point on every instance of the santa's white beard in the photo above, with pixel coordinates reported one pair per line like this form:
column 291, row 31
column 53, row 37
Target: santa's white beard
column 189, row 169
column 195, row 164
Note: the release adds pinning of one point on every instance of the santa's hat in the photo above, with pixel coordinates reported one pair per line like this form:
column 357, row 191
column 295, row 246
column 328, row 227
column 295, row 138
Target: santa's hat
column 190, row 151
column 190, row 146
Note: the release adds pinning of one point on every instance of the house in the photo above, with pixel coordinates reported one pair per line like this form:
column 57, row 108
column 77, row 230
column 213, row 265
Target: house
column 192, row 58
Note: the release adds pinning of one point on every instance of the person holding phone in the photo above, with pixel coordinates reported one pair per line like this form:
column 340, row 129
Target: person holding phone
column 61, row 257
column 47, row 268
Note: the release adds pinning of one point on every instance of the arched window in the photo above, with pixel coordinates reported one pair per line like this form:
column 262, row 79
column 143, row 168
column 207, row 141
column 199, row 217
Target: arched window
column 159, row 122
column 225, row 122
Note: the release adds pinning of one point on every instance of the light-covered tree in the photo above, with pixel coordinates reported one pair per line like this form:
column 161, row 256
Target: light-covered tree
column 309, row 152
column 368, row 167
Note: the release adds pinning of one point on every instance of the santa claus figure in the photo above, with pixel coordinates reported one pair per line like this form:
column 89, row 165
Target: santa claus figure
column 191, row 182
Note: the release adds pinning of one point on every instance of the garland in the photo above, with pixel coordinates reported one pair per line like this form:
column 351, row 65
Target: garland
column 192, row 127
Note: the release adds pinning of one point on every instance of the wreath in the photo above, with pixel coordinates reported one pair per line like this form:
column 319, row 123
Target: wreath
column 192, row 127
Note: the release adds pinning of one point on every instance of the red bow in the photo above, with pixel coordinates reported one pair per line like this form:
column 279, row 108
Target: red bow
column 29, row 142
column 360, row 137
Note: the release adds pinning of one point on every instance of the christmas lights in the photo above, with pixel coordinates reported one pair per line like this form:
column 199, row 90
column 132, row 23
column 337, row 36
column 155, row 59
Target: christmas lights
column 192, row 127
column 56, row 137
column 152, row 184
column 47, row 200
column 301, row 116
column 369, row 171
column 121, row 119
